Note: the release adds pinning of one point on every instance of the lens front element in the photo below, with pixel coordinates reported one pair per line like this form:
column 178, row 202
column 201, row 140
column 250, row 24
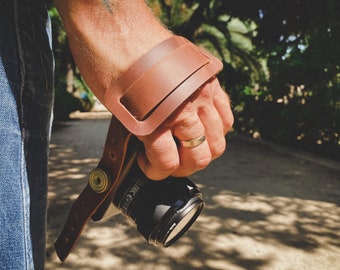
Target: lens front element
column 162, row 210
column 188, row 217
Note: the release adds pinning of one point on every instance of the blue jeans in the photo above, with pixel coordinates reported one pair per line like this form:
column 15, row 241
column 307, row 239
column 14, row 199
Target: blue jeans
column 26, row 99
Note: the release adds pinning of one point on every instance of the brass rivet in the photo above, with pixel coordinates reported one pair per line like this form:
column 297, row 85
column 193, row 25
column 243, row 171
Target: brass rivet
column 98, row 180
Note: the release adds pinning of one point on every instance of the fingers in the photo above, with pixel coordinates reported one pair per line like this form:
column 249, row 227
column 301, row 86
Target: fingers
column 159, row 157
column 213, row 118
column 206, row 113
column 222, row 104
column 189, row 127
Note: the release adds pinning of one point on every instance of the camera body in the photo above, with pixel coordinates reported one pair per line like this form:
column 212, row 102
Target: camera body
column 162, row 211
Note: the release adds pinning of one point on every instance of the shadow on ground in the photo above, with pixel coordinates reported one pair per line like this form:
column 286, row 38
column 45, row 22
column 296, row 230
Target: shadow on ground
column 266, row 208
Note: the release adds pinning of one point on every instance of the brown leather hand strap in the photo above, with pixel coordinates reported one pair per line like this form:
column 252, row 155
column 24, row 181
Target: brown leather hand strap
column 142, row 98
column 88, row 201
column 151, row 89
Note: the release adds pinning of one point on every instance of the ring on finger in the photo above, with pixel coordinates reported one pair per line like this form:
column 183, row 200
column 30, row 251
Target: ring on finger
column 192, row 143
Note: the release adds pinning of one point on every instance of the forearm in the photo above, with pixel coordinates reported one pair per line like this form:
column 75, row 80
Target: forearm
column 106, row 37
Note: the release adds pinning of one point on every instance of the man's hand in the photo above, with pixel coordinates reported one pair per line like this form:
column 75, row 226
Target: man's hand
column 105, row 38
column 207, row 113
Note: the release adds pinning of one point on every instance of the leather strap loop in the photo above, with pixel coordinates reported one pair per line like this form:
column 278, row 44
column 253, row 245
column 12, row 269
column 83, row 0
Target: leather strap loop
column 147, row 61
column 153, row 86
column 125, row 98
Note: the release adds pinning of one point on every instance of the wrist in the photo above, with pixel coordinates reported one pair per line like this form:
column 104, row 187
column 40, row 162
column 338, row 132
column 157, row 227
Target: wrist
column 106, row 40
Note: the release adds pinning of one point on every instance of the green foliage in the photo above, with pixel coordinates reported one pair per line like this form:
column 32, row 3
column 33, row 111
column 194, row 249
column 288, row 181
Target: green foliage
column 64, row 104
column 281, row 63
column 300, row 40
column 208, row 24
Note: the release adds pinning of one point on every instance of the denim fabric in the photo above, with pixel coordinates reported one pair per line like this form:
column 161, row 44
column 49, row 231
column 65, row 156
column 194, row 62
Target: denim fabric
column 26, row 98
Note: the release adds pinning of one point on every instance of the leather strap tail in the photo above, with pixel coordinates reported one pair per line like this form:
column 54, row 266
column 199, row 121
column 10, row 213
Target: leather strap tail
column 90, row 200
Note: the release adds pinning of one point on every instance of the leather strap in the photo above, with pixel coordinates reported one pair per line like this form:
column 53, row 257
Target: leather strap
column 88, row 201
column 140, row 100
column 151, row 89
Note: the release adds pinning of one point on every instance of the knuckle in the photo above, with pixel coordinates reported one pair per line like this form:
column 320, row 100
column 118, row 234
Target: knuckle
column 230, row 122
column 161, row 170
column 188, row 128
column 187, row 122
column 168, row 166
column 206, row 93
column 184, row 111
column 218, row 149
column 203, row 163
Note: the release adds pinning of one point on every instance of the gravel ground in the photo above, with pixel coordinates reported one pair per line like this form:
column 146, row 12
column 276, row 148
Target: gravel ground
column 267, row 207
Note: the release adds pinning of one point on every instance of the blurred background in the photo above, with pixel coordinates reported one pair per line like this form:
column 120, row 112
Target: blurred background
column 281, row 65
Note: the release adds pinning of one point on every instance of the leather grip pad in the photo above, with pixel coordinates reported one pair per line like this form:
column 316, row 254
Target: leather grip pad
column 158, row 83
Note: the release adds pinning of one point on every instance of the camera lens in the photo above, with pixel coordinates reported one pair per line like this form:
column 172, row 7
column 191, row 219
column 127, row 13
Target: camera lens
column 161, row 210
column 184, row 222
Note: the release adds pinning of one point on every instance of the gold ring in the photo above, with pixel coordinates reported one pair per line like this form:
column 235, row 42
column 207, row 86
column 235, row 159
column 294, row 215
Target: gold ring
column 193, row 143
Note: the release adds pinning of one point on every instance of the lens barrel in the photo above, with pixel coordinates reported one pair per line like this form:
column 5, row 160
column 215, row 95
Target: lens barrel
column 161, row 210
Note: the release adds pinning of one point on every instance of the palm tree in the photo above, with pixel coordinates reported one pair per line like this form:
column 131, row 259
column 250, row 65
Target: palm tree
column 208, row 24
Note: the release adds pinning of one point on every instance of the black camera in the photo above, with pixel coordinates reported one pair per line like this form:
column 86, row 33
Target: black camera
column 162, row 211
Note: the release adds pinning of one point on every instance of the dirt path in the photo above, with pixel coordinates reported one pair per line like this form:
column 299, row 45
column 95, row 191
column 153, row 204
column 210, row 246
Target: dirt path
column 267, row 208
